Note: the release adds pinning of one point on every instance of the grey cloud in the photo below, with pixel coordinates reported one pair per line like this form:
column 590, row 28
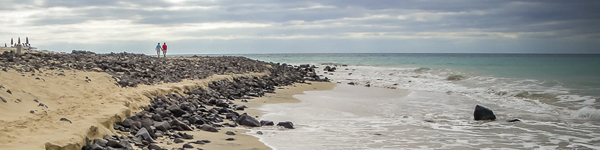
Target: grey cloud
column 56, row 21
column 563, row 19
column 85, row 3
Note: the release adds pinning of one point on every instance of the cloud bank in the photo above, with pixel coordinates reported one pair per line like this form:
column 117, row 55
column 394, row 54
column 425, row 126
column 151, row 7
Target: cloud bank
column 293, row 26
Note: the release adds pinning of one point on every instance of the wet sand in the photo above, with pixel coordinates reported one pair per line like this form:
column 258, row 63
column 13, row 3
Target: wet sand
column 244, row 140
column 286, row 95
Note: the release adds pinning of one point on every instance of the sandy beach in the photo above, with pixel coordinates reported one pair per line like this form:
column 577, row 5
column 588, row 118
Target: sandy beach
column 286, row 95
column 243, row 140
column 91, row 107
column 60, row 108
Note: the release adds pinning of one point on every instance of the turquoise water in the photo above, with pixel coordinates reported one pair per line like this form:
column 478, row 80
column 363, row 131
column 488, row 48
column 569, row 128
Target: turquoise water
column 579, row 72
column 556, row 97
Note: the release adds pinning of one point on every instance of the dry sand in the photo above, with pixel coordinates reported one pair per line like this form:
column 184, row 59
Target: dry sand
column 3, row 49
column 92, row 106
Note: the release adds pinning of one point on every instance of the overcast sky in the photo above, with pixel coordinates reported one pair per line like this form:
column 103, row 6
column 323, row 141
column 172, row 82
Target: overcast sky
column 294, row 26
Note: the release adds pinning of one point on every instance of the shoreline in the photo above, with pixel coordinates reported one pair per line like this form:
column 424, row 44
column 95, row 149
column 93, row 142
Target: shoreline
column 243, row 139
column 285, row 95
column 91, row 110
column 317, row 108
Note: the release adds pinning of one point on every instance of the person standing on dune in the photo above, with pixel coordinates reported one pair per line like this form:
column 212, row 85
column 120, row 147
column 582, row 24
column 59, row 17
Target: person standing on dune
column 158, row 48
column 164, row 49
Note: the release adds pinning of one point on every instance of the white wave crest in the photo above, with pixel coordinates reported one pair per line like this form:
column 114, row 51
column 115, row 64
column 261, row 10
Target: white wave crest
column 587, row 112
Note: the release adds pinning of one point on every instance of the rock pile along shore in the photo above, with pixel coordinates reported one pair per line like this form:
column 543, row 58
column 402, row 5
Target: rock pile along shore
column 204, row 109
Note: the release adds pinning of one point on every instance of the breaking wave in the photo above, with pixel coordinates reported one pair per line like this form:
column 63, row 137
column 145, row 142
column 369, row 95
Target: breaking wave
column 524, row 94
column 587, row 112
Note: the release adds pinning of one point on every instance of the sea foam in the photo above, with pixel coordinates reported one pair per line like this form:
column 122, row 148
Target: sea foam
column 524, row 94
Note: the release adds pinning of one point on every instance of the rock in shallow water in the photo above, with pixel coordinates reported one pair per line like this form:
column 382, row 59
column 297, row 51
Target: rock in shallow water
column 286, row 124
column 514, row 120
column 483, row 113
column 266, row 123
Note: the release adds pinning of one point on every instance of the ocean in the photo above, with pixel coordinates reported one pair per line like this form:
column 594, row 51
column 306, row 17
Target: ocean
column 426, row 101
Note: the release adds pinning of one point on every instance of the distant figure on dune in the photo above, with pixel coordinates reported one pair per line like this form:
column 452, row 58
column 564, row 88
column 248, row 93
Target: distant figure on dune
column 164, row 49
column 158, row 48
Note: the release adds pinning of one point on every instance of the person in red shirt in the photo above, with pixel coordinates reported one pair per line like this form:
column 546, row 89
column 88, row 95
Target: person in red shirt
column 164, row 49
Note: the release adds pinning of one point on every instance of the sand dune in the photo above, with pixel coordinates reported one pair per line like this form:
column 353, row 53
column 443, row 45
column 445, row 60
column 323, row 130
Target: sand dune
column 91, row 101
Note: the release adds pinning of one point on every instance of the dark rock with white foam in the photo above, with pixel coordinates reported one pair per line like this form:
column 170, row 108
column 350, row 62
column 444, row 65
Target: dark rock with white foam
column 483, row 113
column 286, row 124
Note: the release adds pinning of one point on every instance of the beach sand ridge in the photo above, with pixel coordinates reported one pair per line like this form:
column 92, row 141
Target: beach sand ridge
column 90, row 101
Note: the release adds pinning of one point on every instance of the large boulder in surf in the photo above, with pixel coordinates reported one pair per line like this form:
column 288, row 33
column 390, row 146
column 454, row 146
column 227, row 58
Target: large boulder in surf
column 482, row 113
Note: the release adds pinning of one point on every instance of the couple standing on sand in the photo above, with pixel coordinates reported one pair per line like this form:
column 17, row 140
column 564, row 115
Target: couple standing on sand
column 163, row 48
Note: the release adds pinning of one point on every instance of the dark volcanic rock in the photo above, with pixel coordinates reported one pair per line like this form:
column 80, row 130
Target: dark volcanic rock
column 482, row 113
column 198, row 142
column 266, row 123
column 114, row 144
column 97, row 147
column 65, row 119
column 162, row 126
column 129, row 70
column 208, row 128
column 187, row 136
column 176, row 112
column 100, row 142
column 144, row 134
column 329, row 69
column 246, row 120
column 514, row 120
column 181, row 125
column 157, row 117
column 127, row 123
column 229, row 133
column 154, row 147
column 178, row 140
column 286, row 124
column 147, row 122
